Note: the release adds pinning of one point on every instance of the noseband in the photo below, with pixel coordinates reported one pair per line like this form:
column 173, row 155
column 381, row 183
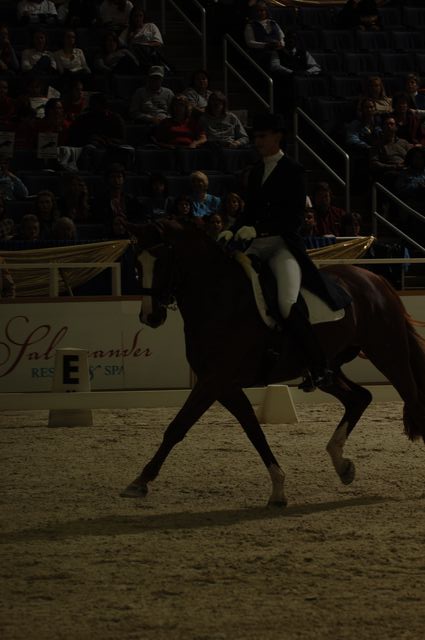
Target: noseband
column 165, row 295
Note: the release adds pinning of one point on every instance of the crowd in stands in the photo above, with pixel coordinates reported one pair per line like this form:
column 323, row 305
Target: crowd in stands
column 97, row 127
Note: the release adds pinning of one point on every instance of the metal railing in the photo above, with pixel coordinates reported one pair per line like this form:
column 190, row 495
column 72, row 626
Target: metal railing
column 228, row 40
column 300, row 142
column 377, row 217
column 200, row 32
column 56, row 269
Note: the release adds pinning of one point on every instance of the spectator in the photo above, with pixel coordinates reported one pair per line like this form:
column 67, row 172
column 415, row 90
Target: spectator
column 360, row 133
column 64, row 230
column 198, row 92
column 113, row 58
column 222, row 126
column 180, row 129
column 71, row 59
column 308, row 230
column 360, row 14
column 215, row 224
column 29, row 229
column 264, row 38
column 7, row 106
column 37, row 58
column 182, row 209
column 117, row 207
column 36, row 11
column 33, row 96
column 75, row 201
column 295, row 59
column 7, row 285
column 81, row 13
column 62, row 7
column 232, row 208
column 8, row 59
column 204, row 203
column 408, row 122
column 388, row 152
column 11, row 186
column 375, row 90
column 115, row 13
column 74, row 99
column 144, row 39
column 329, row 219
column 7, row 224
column 157, row 202
column 151, row 104
column 413, row 90
column 410, row 184
column 47, row 212
column 54, row 121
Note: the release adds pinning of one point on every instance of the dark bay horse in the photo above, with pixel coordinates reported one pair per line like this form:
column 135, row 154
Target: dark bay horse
column 227, row 343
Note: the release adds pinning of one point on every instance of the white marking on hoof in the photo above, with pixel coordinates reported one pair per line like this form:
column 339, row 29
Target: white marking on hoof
column 335, row 448
column 135, row 490
column 278, row 480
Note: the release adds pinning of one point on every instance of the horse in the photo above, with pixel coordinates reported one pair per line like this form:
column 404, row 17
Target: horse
column 228, row 344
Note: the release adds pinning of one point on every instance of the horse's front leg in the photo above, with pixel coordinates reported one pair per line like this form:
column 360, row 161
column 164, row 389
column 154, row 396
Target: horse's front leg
column 238, row 404
column 200, row 399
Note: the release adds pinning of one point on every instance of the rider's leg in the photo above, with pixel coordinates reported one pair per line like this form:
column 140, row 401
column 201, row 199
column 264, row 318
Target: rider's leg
column 288, row 277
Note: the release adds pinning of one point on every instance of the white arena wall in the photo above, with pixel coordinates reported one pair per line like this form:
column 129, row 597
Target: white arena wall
column 123, row 354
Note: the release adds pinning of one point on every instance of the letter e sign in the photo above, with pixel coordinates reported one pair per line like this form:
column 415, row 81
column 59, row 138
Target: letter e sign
column 70, row 367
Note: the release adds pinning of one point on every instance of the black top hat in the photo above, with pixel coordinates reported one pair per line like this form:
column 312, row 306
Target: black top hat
column 268, row 122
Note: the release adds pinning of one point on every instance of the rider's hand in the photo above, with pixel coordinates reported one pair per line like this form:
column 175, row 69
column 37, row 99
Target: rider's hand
column 245, row 234
column 225, row 236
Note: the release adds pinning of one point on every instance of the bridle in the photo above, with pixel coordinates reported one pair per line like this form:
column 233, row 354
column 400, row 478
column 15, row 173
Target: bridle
column 165, row 295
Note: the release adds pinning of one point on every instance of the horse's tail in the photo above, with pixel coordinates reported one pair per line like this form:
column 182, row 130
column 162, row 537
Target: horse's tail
column 414, row 412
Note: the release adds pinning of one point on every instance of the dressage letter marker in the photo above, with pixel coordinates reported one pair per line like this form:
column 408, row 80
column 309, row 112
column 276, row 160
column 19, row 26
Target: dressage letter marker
column 71, row 374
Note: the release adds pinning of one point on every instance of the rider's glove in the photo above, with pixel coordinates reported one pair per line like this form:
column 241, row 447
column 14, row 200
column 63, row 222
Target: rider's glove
column 225, row 236
column 245, row 234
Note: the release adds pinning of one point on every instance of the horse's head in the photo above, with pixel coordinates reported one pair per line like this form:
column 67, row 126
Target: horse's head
column 156, row 271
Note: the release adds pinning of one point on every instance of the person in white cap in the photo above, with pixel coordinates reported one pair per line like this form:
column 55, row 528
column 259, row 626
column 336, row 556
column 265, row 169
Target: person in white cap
column 151, row 104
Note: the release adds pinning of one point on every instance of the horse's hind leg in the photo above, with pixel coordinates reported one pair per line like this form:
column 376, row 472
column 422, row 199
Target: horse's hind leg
column 238, row 404
column 355, row 400
column 200, row 399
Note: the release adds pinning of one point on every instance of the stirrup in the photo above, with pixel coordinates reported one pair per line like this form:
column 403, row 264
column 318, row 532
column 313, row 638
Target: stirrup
column 322, row 380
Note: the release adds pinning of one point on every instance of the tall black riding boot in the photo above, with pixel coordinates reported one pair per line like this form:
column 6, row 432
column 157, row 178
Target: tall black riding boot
column 319, row 373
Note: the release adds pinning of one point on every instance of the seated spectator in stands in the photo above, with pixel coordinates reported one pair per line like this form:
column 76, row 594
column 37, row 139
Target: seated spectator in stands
column 64, row 230
column 329, row 219
column 215, row 223
column 180, row 129
column 232, row 207
column 81, row 13
column 37, row 58
column 375, row 90
column 408, row 122
column 360, row 133
column 28, row 229
column 295, row 59
column 74, row 99
column 7, row 285
column 33, row 95
column 70, row 59
column 11, row 186
column 222, row 126
column 151, row 104
column 413, row 90
column 144, row 39
column 182, row 209
column 54, row 121
column 47, row 212
column 9, row 62
column 117, row 207
column 100, row 128
column 388, row 152
column 113, row 58
column 204, row 203
column 360, row 14
column 7, row 225
column 75, row 201
column 157, row 203
column 37, row 11
column 7, row 106
column 198, row 92
column 308, row 229
column 62, row 10
column 264, row 38
column 410, row 184
column 115, row 13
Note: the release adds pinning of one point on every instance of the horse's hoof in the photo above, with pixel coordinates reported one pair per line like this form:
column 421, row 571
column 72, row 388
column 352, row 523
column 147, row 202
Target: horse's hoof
column 277, row 503
column 349, row 473
column 135, row 490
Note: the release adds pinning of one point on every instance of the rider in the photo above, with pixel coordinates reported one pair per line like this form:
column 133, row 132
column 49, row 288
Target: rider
column 273, row 216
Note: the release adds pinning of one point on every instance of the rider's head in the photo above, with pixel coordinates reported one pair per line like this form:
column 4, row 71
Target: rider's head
column 268, row 131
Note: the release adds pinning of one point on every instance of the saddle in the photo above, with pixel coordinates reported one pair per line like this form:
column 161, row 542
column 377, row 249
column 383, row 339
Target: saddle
column 265, row 294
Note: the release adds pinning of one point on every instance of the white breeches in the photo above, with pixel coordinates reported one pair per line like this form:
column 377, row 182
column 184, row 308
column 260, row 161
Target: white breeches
column 285, row 269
